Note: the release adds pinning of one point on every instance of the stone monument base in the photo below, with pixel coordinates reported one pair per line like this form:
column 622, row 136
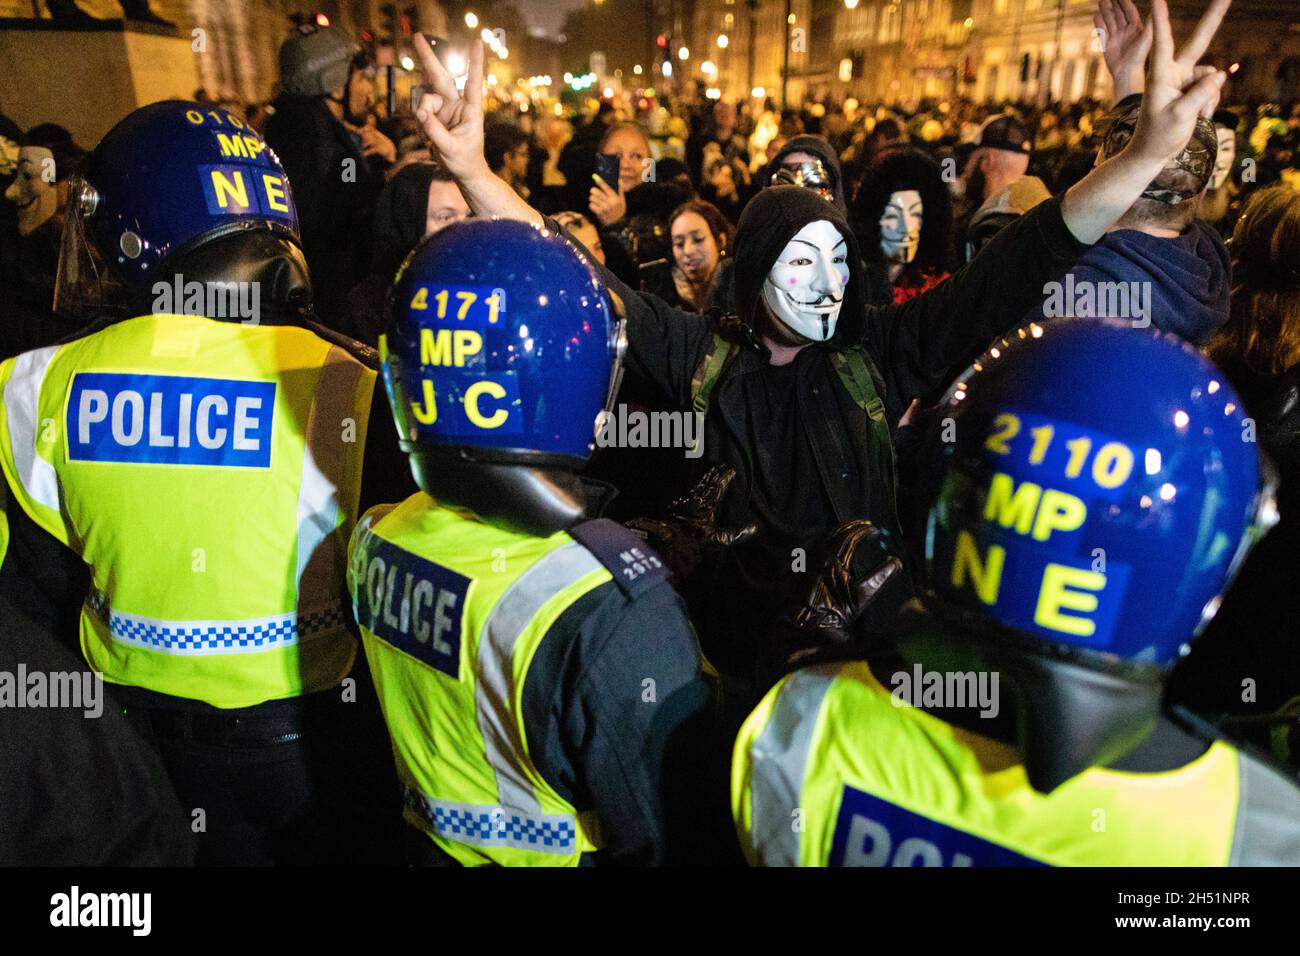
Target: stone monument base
column 88, row 79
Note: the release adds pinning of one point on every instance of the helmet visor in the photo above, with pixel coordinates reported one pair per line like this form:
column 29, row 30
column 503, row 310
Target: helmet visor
column 81, row 285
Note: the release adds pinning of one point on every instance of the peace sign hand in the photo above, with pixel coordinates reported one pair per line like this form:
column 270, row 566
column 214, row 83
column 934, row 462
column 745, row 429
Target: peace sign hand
column 1177, row 90
column 453, row 121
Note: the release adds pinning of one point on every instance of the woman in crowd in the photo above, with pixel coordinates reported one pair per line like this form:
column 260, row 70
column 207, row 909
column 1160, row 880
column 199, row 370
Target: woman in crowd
column 633, row 211
column 701, row 238
column 420, row 200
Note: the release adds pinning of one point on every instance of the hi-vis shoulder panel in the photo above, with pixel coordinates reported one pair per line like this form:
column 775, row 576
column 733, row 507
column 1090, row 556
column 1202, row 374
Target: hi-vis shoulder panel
column 831, row 770
column 413, row 604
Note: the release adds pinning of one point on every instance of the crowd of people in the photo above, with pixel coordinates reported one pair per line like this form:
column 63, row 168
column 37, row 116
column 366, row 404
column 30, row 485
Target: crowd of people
column 829, row 288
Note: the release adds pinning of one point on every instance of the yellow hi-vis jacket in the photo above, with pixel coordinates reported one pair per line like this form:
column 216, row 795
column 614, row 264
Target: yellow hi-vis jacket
column 452, row 611
column 208, row 474
column 831, row 770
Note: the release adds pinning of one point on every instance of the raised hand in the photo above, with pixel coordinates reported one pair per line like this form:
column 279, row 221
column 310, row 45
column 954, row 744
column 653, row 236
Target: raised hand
column 452, row 120
column 606, row 201
column 1177, row 90
column 1125, row 43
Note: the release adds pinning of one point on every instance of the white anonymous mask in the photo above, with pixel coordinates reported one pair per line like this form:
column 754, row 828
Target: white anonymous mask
column 1226, row 157
column 33, row 190
column 900, row 226
column 805, row 288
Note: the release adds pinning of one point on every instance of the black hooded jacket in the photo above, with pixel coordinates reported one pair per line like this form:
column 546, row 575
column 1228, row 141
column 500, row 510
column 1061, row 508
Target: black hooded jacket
column 398, row 227
column 804, row 452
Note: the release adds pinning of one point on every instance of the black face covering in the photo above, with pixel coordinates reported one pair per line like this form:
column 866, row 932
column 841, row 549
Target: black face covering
column 273, row 262
column 1071, row 712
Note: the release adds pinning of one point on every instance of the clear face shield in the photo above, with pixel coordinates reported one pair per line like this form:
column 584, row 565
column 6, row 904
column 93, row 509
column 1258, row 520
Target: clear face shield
column 618, row 345
column 1264, row 517
column 82, row 286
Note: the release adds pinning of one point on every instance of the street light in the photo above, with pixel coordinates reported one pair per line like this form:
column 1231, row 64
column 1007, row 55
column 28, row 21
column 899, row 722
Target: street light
column 708, row 67
column 851, row 4
column 471, row 20
column 683, row 54
column 637, row 69
column 723, row 41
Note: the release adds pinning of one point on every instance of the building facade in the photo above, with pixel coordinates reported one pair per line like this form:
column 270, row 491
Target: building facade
column 900, row 51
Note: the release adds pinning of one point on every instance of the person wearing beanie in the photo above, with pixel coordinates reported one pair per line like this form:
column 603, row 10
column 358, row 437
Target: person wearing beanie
column 334, row 156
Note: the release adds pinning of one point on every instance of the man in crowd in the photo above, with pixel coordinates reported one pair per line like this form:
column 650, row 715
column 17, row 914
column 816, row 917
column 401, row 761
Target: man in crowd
column 996, row 188
column 334, row 155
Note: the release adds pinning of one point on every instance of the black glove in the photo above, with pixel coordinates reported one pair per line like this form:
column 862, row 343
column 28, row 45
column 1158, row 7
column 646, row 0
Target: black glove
column 690, row 533
column 859, row 564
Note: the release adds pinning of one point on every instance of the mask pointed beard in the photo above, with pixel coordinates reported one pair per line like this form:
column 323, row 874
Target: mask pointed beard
column 805, row 288
column 900, row 227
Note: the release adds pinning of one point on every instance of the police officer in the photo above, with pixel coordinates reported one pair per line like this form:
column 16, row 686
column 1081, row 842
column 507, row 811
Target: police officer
column 199, row 448
column 1081, row 531
column 543, row 690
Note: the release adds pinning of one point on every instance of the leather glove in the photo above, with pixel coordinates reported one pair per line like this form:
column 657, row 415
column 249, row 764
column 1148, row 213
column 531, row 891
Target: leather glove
column 859, row 564
column 690, row 533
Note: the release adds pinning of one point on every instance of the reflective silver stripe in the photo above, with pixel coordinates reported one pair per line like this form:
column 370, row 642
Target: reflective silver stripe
column 324, row 466
column 196, row 638
column 495, row 681
column 22, row 411
column 1267, row 832
column 496, row 826
column 779, row 761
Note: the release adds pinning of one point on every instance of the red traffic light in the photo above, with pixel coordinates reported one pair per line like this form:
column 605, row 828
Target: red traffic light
column 322, row 20
column 661, row 40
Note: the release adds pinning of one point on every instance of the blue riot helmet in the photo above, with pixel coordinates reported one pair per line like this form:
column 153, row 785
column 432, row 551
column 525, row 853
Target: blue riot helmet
column 501, row 354
column 179, row 192
column 1096, row 487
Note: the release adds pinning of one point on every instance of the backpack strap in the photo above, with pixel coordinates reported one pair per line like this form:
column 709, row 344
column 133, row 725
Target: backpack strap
column 857, row 378
column 709, row 371
column 635, row 565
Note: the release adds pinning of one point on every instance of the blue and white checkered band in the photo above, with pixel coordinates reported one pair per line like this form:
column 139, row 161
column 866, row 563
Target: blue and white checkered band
column 215, row 637
column 496, row 826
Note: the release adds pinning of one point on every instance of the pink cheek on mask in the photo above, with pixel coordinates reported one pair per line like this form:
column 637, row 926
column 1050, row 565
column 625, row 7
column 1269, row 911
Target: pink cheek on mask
column 793, row 281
